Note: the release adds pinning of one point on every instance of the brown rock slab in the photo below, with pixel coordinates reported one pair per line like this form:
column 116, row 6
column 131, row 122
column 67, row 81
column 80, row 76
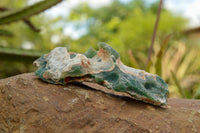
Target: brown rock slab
column 29, row 105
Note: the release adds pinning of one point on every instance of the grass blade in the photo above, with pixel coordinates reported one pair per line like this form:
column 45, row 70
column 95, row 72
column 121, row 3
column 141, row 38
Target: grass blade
column 178, row 85
column 158, row 64
column 197, row 94
column 149, row 66
column 133, row 60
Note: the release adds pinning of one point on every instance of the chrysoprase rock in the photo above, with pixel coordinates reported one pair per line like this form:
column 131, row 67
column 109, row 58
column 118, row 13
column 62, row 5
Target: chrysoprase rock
column 103, row 67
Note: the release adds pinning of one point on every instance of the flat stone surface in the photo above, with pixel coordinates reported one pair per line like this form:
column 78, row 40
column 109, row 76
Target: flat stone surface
column 28, row 104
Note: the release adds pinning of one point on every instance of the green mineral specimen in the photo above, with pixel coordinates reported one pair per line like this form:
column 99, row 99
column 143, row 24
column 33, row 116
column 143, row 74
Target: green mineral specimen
column 103, row 67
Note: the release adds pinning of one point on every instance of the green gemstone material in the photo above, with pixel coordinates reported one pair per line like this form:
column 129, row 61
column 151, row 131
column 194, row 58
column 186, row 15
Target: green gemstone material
column 103, row 67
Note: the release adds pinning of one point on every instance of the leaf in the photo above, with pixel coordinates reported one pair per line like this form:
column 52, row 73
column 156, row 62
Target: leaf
column 6, row 33
column 9, row 54
column 158, row 64
column 197, row 94
column 149, row 66
column 132, row 60
column 14, row 15
column 178, row 85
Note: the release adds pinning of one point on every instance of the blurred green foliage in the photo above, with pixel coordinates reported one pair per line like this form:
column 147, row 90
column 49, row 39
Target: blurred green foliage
column 127, row 27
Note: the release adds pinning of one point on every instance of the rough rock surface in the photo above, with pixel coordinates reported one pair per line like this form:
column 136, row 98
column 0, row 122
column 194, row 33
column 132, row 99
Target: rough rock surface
column 29, row 105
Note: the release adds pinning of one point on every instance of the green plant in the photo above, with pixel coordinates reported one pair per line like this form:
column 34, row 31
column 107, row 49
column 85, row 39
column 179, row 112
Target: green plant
column 24, row 13
column 13, row 55
column 179, row 65
column 9, row 16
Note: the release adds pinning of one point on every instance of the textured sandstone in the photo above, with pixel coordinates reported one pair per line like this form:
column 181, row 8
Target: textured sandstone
column 29, row 105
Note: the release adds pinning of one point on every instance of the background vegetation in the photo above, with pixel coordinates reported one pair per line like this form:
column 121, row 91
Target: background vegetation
column 127, row 27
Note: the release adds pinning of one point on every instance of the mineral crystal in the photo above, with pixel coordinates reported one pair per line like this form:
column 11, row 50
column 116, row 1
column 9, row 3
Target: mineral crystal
column 103, row 67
